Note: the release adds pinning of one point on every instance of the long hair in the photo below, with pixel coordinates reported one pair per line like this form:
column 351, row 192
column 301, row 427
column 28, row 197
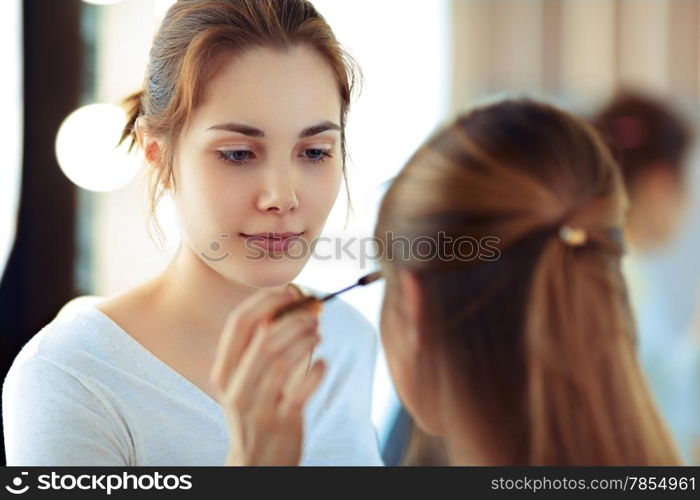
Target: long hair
column 537, row 327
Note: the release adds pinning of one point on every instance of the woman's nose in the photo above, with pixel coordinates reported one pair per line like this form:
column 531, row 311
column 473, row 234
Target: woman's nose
column 279, row 191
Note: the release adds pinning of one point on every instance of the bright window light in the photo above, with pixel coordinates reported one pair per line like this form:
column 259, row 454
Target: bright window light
column 160, row 7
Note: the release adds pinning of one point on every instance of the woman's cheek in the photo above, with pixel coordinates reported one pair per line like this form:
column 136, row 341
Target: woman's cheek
column 206, row 207
column 323, row 187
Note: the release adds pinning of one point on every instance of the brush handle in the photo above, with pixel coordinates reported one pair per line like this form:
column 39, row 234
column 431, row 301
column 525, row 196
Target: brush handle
column 305, row 302
column 310, row 301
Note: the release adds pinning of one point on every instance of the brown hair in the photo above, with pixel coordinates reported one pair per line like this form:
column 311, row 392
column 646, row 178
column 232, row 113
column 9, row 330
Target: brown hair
column 644, row 132
column 184, row 56
column 541, row 338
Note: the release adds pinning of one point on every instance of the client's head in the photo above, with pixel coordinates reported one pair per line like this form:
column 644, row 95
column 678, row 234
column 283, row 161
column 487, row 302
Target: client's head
column 505, row 321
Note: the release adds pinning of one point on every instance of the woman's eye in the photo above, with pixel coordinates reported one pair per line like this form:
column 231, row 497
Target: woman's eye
column 236, row 156
column 316, row 155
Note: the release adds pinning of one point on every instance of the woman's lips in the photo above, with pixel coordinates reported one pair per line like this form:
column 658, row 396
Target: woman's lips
column 271, row 242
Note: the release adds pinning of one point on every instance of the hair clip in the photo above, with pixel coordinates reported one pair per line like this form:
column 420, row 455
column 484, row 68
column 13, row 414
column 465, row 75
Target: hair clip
column 573, row 236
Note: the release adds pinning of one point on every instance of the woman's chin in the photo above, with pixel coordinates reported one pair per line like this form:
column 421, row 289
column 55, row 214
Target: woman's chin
column 268, row 274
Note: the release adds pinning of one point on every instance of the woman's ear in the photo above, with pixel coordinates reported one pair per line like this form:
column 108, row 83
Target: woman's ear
column 152, row 149
column 413, row 308
column 150, row 145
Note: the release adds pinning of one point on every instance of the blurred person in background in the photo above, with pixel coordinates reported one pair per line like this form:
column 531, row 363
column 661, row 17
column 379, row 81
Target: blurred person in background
column 242, row 121
column 651, row 142
column 526, row 355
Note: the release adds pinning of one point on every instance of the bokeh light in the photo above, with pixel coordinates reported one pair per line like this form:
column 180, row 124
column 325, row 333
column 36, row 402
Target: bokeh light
column 102, row 2
column 86, row 148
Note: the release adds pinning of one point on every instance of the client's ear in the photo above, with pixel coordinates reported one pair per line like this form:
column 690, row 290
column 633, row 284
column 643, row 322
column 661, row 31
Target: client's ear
column 414, row 308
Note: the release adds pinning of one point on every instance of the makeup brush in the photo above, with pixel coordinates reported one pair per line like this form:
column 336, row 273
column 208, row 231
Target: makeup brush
column 315, row 302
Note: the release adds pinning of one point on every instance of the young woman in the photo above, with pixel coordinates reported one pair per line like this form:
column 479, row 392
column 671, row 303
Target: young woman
column 513, row 339
column 241, row 119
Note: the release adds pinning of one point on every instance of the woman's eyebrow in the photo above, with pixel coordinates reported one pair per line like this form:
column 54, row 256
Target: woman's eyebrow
column 239, row 128
column 317, row 129
column 255, row 132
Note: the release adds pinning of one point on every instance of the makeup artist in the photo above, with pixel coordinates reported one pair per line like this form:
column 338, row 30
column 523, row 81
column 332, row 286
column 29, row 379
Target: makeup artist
column 241, row 119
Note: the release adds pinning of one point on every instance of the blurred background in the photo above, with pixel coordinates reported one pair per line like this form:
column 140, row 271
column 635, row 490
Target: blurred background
column 73, row 208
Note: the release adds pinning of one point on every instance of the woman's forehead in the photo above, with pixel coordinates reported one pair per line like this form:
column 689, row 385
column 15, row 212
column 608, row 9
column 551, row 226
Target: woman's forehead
column 272, row 90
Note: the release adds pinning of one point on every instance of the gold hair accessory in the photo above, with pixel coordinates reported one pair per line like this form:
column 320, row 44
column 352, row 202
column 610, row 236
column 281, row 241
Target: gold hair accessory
column 573, row 236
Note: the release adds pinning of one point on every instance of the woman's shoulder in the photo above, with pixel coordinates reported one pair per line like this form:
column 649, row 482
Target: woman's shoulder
column 69, row 341
column 59, row 373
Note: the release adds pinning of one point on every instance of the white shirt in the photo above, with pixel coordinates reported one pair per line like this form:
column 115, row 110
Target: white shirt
column 82, row 391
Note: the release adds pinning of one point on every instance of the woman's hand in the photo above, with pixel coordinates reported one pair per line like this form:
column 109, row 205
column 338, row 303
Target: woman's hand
column 254, row 372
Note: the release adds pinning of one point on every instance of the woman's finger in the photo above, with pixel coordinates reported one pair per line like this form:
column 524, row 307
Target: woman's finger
column 294, row 401
column 300, row 372
column 274, row 341
column 239, row 328
column 281, row 332
column 243, row 381
column 276, row 375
